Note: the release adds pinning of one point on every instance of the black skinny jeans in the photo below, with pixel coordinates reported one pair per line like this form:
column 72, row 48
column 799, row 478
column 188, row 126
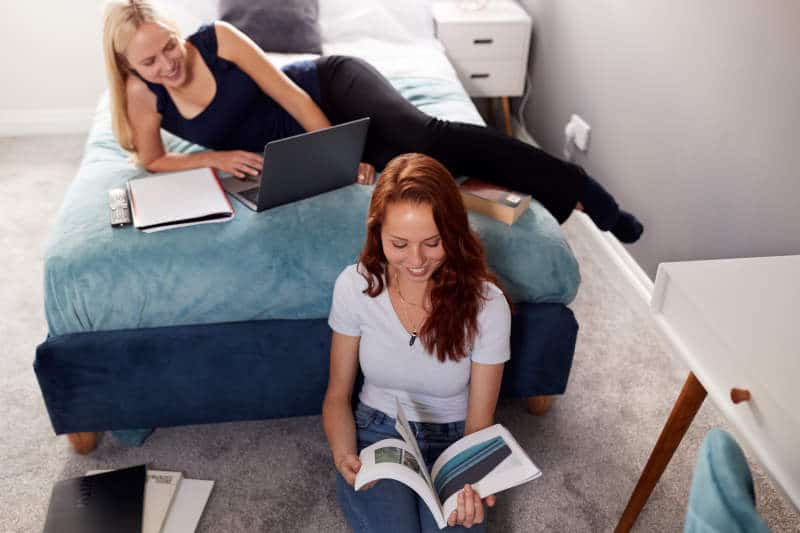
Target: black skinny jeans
column 350, row 88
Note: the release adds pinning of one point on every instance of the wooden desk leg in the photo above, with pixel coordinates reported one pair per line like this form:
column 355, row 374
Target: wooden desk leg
column 507, row 115
column 83, row 443
column 686, row 406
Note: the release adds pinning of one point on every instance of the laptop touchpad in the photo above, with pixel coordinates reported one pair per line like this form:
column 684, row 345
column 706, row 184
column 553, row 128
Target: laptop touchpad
column 235, row 185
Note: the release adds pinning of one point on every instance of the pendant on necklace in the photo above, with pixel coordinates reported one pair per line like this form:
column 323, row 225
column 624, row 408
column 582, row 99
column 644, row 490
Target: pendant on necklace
column 413, row 337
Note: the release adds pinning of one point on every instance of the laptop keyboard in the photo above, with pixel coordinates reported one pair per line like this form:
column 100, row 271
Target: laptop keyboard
column 250, row 194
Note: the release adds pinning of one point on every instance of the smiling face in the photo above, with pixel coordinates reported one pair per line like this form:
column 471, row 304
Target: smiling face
column 411, row 241
column 158, row 55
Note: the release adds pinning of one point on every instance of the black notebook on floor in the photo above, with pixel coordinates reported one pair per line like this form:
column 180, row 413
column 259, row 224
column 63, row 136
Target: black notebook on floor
column 98, row 504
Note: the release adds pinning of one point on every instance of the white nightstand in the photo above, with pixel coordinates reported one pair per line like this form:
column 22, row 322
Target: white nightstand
column 488, row 47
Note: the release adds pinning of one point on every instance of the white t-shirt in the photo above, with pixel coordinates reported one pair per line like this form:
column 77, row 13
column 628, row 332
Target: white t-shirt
column 428, row 390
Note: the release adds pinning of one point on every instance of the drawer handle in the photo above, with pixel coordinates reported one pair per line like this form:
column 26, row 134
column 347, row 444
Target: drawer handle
column 482, row 41
column 740, row 395
column 477, row 76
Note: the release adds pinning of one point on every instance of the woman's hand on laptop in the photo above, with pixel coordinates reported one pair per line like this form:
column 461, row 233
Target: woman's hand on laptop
column 238, row 163
column 366, row 174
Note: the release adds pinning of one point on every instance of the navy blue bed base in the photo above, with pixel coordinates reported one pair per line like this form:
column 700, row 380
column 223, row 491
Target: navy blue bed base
column 177, row 375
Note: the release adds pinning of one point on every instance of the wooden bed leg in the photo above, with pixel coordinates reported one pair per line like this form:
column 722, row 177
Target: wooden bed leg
column 84, row 442
column 539, row 405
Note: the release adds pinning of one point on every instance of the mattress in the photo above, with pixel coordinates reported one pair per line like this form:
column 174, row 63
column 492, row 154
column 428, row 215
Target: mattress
column 279, row 264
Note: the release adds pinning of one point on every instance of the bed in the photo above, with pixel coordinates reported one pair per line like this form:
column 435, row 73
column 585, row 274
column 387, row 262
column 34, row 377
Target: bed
column 226, row 322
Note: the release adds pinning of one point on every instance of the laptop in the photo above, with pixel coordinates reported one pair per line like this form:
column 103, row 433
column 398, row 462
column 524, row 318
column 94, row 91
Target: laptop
column 302, row 166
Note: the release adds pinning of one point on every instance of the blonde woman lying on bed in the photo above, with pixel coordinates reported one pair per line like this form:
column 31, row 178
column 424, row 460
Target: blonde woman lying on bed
column 218, row 89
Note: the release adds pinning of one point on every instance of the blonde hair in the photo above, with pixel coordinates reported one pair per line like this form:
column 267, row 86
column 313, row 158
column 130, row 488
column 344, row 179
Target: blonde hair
column 122, row 19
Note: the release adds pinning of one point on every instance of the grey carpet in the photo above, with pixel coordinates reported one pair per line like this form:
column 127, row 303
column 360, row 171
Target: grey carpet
column 276, row 475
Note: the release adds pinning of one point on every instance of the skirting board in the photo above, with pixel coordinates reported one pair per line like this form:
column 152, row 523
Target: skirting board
column 19, row 123
column 613, row 252
column 638, row 287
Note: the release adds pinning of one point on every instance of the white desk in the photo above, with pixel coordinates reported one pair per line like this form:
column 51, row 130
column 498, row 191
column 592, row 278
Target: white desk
column 735, row 323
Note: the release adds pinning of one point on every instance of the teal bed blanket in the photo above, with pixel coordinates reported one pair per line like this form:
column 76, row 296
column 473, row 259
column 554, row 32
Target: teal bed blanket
column 278, row 264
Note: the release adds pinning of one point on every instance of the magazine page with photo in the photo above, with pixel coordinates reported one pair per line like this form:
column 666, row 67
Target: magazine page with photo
column 489, row 460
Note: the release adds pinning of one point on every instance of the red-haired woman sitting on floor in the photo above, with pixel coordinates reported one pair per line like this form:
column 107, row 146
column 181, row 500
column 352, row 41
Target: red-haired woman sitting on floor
column 428, row 325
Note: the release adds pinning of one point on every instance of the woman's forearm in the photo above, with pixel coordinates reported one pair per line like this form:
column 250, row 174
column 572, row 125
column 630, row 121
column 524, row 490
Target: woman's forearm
column 339, row 426
column 171, row 162
column 484, row 389
column 474, row 424
column 308, row 114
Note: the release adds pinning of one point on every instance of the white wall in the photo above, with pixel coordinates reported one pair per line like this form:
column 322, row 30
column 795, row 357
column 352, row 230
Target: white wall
column 694, row 108
column 52, row 65
column 52, row 61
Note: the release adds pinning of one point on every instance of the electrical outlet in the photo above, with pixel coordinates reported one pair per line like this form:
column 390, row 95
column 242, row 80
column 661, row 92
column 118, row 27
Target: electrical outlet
column 577, row 130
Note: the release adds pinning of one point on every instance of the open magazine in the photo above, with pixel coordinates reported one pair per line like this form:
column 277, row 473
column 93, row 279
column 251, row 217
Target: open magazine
column 489, row 460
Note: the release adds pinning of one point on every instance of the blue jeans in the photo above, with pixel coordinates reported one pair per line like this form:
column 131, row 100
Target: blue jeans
column 722, row 499
column 389, row 505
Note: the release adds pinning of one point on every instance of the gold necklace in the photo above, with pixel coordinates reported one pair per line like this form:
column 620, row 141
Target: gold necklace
column 413, row 338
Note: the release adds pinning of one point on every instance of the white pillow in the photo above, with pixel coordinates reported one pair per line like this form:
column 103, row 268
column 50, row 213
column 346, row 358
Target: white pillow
column 405, row 21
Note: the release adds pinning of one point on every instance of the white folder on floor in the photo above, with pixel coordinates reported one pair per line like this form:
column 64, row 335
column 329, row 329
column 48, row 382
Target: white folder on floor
column 188, row 505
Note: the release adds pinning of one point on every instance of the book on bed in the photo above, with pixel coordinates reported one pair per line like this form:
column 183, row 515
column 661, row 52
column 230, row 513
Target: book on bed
column 494, row 201
column 490, row 460
column 175, row 199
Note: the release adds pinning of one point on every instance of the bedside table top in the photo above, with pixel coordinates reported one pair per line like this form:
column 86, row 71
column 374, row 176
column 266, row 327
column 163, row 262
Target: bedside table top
column 495, row 11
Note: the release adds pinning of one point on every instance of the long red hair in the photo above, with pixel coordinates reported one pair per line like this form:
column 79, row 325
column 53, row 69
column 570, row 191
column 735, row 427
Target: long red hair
column 457, row 286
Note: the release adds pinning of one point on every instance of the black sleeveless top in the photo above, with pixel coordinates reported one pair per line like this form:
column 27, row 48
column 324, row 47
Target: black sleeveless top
column 240, row 116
